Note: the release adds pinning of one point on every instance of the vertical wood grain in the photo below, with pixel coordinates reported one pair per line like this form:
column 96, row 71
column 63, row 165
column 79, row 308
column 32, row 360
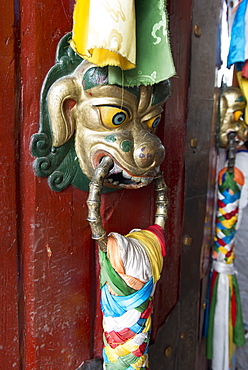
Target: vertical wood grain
column 55, row 244
column 9, row 344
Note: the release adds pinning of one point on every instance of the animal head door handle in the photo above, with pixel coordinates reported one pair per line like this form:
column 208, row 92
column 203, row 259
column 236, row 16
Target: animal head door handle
column 233, row 129
column 101, row 137
column 223, row 281
column 83, row 119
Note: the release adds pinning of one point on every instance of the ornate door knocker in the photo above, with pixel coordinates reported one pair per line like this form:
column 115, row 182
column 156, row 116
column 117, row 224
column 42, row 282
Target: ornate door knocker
column 99, row 138
column 225, row 324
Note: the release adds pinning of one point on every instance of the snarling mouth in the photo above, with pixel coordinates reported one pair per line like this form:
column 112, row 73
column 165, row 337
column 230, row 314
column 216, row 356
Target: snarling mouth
column 118, row 177
column 238, row 140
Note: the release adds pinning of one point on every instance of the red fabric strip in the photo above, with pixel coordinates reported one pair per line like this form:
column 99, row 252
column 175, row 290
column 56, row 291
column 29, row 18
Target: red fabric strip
column 140, row 351
column 220, row 204
column 231, row 214
column 114, row 338
column 221, row 242
column 159, row 232
column 148, row 311
column 213, row 280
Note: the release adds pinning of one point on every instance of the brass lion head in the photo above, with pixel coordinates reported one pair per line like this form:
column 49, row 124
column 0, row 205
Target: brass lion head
column 83, row 118
column 232, row 107
column 109, row 120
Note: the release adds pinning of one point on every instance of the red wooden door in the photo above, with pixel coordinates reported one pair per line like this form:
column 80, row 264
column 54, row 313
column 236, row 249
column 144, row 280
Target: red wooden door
column 50, row 315
column 9, row 343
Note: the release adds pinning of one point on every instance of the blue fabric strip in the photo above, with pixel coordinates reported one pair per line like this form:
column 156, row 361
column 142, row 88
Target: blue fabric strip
column 227, row 239
column 230, row 198
column 116, row 306
column 139, row 326
column 238, row 37
column 220, row 226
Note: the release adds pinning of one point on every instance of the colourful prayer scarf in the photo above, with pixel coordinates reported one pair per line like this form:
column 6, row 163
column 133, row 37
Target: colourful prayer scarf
column 127, row 311
column 225, row 326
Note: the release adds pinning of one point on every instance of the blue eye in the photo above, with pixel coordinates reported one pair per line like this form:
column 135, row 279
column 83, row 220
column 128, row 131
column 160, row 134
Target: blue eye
column 153, row 122
column 119, row 118
column 156, row 122
column 113, row 116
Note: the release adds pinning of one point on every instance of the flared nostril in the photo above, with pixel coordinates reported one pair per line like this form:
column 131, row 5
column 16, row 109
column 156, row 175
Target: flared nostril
column 146, row 155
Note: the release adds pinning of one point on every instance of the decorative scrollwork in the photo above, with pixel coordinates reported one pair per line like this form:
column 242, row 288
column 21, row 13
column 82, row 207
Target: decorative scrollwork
column 40, row 145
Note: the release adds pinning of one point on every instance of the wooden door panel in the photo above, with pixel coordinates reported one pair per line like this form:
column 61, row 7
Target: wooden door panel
column 60, row 270
column 172, row 134
column 55, row 264
column 9, row 341
column 59, row 310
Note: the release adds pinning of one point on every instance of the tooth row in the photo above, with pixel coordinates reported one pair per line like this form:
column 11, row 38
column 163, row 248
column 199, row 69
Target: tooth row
column 126, row 175
column 116, row 169
column 143, row 180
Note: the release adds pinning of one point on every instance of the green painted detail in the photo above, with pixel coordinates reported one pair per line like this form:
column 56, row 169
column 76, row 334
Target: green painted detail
column 126, row 146
column 241, row 99
column 110, row 138
column 161, row 91
column 95, row 76
column 60, row 165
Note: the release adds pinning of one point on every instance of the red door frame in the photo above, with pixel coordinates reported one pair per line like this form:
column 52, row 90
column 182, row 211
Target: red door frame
column 49, row 271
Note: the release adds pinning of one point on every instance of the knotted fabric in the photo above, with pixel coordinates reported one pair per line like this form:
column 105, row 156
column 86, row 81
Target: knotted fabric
column 225, row 327
column 129, row 272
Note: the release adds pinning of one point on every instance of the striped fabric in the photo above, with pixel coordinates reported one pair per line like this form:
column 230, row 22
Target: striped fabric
column 225, row 326
column 129, row 271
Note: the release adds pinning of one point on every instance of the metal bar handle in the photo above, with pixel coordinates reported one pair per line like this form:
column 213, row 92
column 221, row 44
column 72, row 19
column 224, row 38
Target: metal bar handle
column 94, row 202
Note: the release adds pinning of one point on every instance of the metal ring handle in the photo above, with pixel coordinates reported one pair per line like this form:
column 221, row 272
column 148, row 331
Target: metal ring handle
column 94, row 202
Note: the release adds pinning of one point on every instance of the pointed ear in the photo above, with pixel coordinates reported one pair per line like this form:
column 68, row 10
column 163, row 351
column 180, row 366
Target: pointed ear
column 62, row 98
column 223, row 105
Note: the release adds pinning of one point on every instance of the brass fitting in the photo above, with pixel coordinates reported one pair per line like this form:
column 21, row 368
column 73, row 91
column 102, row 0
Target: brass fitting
column 94, row 202
column 161, row 200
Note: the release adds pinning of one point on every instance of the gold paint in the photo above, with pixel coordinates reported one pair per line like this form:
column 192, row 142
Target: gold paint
column 161, row 201
column 231, row 120
column 193, row 143
column 94, row 202
column 168, row 351
column 145, row 97
column 197, row 30
column 187, row 240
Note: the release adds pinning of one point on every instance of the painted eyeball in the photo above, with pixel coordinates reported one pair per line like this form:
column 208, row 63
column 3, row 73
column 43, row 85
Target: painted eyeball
column 238, row 115
column 113, row 116
column 154, row 122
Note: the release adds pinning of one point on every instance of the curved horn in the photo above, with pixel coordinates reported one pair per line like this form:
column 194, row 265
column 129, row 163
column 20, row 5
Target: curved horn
column 62, row 97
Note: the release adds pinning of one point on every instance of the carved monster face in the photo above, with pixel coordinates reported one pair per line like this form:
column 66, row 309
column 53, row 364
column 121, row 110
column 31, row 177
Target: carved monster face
column 109, row 120
column 232, row 107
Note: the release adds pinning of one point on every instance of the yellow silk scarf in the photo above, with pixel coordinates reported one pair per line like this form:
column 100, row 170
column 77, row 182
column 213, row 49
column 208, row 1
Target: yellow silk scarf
column 153, row 250
column 104, row 32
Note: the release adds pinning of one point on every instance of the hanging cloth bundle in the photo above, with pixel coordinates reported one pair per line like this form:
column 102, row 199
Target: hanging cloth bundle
column 130, row 37
column 225, row 327
column 129, row 272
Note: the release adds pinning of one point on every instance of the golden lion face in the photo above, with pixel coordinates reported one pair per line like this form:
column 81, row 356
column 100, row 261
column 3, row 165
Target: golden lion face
column 109, row 120
column 232, row 107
